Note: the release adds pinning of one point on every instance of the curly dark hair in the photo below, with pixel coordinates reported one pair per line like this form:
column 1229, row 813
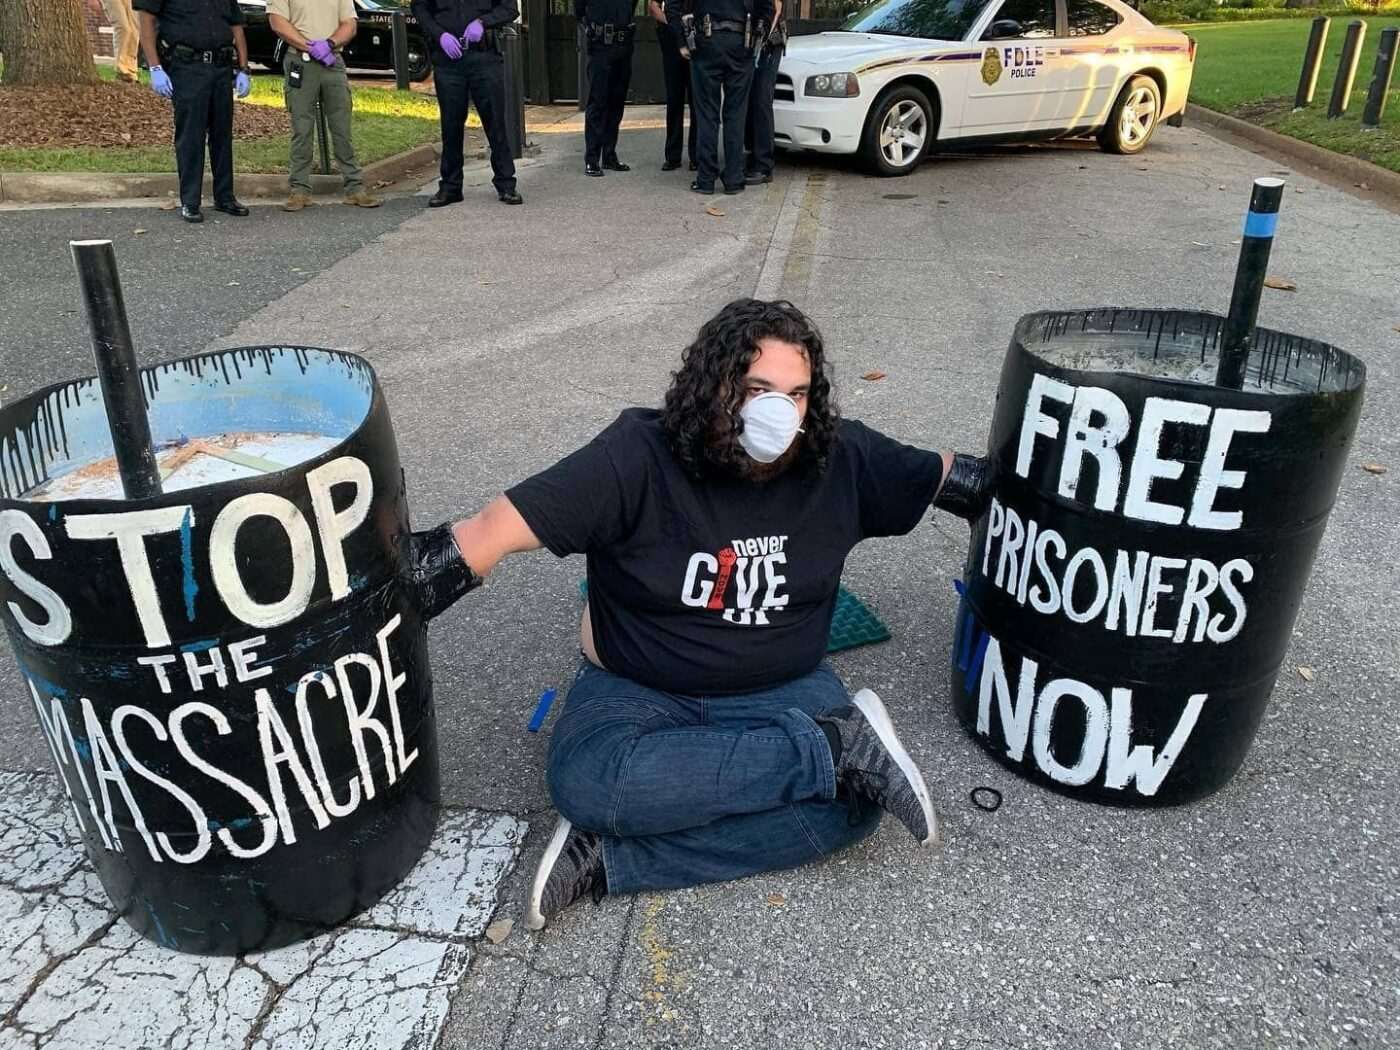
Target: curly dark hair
column 701, row 413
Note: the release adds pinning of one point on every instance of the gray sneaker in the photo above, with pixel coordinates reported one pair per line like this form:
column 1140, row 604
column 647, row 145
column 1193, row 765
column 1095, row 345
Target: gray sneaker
column 874, row 766
column 571, row 868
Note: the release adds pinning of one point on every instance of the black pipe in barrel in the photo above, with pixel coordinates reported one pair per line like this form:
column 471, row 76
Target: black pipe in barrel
column 117, row 372
column 1258, row 241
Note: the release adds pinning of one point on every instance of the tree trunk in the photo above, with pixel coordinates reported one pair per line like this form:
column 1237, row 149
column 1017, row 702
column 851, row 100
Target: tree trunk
column 45, row 42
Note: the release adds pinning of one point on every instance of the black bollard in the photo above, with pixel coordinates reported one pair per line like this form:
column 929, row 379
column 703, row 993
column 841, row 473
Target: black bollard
column 1380, row 80
column 323, row 135
column 1346, row 70
column 1258, row 241
column 231, row 676
column 399, row 29
column 515, row 89
column 1130, row 594
column 116, row 367
column 1312, row 63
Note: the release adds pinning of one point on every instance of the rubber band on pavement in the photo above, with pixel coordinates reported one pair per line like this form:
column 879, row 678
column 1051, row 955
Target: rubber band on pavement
column 986, row 798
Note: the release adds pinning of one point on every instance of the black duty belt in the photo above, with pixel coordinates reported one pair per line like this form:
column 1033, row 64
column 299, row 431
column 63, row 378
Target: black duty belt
column 217, row 56
column 609, row 33
column 724, row 26
column 488, row 42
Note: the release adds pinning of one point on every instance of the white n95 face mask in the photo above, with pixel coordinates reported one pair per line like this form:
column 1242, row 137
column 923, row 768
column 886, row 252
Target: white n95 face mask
column 771, row 421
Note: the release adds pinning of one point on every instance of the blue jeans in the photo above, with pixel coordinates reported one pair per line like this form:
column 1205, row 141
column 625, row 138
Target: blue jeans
column 691, row 789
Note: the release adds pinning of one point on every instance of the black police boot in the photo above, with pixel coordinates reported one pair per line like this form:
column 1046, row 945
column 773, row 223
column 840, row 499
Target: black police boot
column 231, row 207
column 593, row 169
column 694, row 165
column 613, row 164
column 510, row 197
column 670, row 165
column 708, row 191
column 191, row 214
column 442, row 198
column 757, row 178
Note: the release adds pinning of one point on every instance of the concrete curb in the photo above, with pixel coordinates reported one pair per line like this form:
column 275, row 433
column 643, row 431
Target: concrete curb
column 66, row 188
column 1340, row 166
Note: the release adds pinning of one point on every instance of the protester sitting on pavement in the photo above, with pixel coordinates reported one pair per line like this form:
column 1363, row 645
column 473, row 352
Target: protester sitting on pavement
column 469, row 66
column 191, row 47
column 704, row 737
column 316, row 31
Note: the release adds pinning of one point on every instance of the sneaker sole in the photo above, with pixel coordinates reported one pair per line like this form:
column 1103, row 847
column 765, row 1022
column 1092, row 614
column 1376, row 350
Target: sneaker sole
column 534, row 917
column 874, row 711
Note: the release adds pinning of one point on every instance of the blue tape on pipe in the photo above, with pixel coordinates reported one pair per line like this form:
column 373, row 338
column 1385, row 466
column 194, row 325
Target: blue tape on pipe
column 541, row 711
column 1260, row 224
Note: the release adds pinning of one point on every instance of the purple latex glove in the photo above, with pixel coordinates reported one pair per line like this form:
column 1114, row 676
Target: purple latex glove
column 160, row 83
column 451, row 46
column 475, row 31
column 321, row 51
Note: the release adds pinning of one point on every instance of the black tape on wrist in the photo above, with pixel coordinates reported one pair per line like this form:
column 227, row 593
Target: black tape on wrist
column 967, row 490
column 439, row 574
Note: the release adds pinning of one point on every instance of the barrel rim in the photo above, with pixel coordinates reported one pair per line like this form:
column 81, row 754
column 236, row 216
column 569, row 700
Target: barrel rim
column 25, row 411
column 1342, row 362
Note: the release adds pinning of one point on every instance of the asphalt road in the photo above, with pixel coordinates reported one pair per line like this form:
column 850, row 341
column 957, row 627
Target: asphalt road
column 1263, row 916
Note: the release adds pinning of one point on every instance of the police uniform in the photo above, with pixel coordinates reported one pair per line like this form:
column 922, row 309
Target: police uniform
column 478, row 76
column 721, row 69
column 676, row 71
column 195, row 42
column 758, row 134
column 609, row 28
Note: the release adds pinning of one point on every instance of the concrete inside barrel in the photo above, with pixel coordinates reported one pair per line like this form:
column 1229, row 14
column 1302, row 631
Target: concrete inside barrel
column 1184, row 346
column 214, row 418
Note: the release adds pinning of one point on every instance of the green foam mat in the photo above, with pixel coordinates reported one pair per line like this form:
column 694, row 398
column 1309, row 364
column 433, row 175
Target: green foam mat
column 852, row 624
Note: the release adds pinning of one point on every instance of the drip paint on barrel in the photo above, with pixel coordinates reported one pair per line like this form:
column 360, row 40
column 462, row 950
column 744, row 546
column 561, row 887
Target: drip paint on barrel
column 231, row 677
column 1132, row 589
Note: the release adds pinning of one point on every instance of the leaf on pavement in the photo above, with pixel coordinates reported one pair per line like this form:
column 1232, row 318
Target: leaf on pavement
column 499, row 930
column 718, row 213
column 776, row 900
column 873, row 376
column 138, row 231
column 1307, row 673
column 1374, row 468
column 1283, row 284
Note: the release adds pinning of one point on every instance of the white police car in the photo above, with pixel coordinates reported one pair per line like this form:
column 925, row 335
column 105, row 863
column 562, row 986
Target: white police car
column 904, row 77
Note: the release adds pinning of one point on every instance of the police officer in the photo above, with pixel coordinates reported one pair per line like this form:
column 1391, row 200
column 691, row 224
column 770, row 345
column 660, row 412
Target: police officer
column 719, row 41
column 469, row 66
column 193, row 48
column 609, row 28
column 676, row 71
column 758, row 134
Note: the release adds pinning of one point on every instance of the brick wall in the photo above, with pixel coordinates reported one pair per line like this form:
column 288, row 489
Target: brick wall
column 99, row 31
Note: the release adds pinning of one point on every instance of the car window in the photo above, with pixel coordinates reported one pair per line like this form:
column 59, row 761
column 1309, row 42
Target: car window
column 1036, row 17
column 1088, row 18
column 930, row 19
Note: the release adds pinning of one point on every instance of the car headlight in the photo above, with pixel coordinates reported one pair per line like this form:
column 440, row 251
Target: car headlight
column 833, row 85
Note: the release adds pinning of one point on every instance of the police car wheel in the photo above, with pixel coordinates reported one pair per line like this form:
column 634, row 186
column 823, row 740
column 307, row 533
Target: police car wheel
column 420, row 66
column 898, row 131
column 1133, row 118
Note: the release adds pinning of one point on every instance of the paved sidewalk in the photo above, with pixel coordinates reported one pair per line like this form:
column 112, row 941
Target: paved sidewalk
column 506, row 337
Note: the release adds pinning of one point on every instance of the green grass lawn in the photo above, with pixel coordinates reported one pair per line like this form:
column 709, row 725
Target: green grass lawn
column 1251, row 69
column 386, row 122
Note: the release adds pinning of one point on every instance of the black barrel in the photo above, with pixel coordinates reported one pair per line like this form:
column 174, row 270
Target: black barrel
column 1129, row 595
column 232, row 677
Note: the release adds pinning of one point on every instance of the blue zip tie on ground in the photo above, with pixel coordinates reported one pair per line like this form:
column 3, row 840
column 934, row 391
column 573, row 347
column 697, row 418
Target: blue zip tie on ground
column 541, row 711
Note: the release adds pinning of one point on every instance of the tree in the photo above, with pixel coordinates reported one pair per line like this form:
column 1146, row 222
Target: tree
column 45, row 42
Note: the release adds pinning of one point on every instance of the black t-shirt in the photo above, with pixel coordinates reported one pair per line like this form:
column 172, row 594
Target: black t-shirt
column 201, row 24
column 659, row 544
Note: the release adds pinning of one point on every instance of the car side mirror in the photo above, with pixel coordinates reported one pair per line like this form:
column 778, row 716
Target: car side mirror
column 1003, row 29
